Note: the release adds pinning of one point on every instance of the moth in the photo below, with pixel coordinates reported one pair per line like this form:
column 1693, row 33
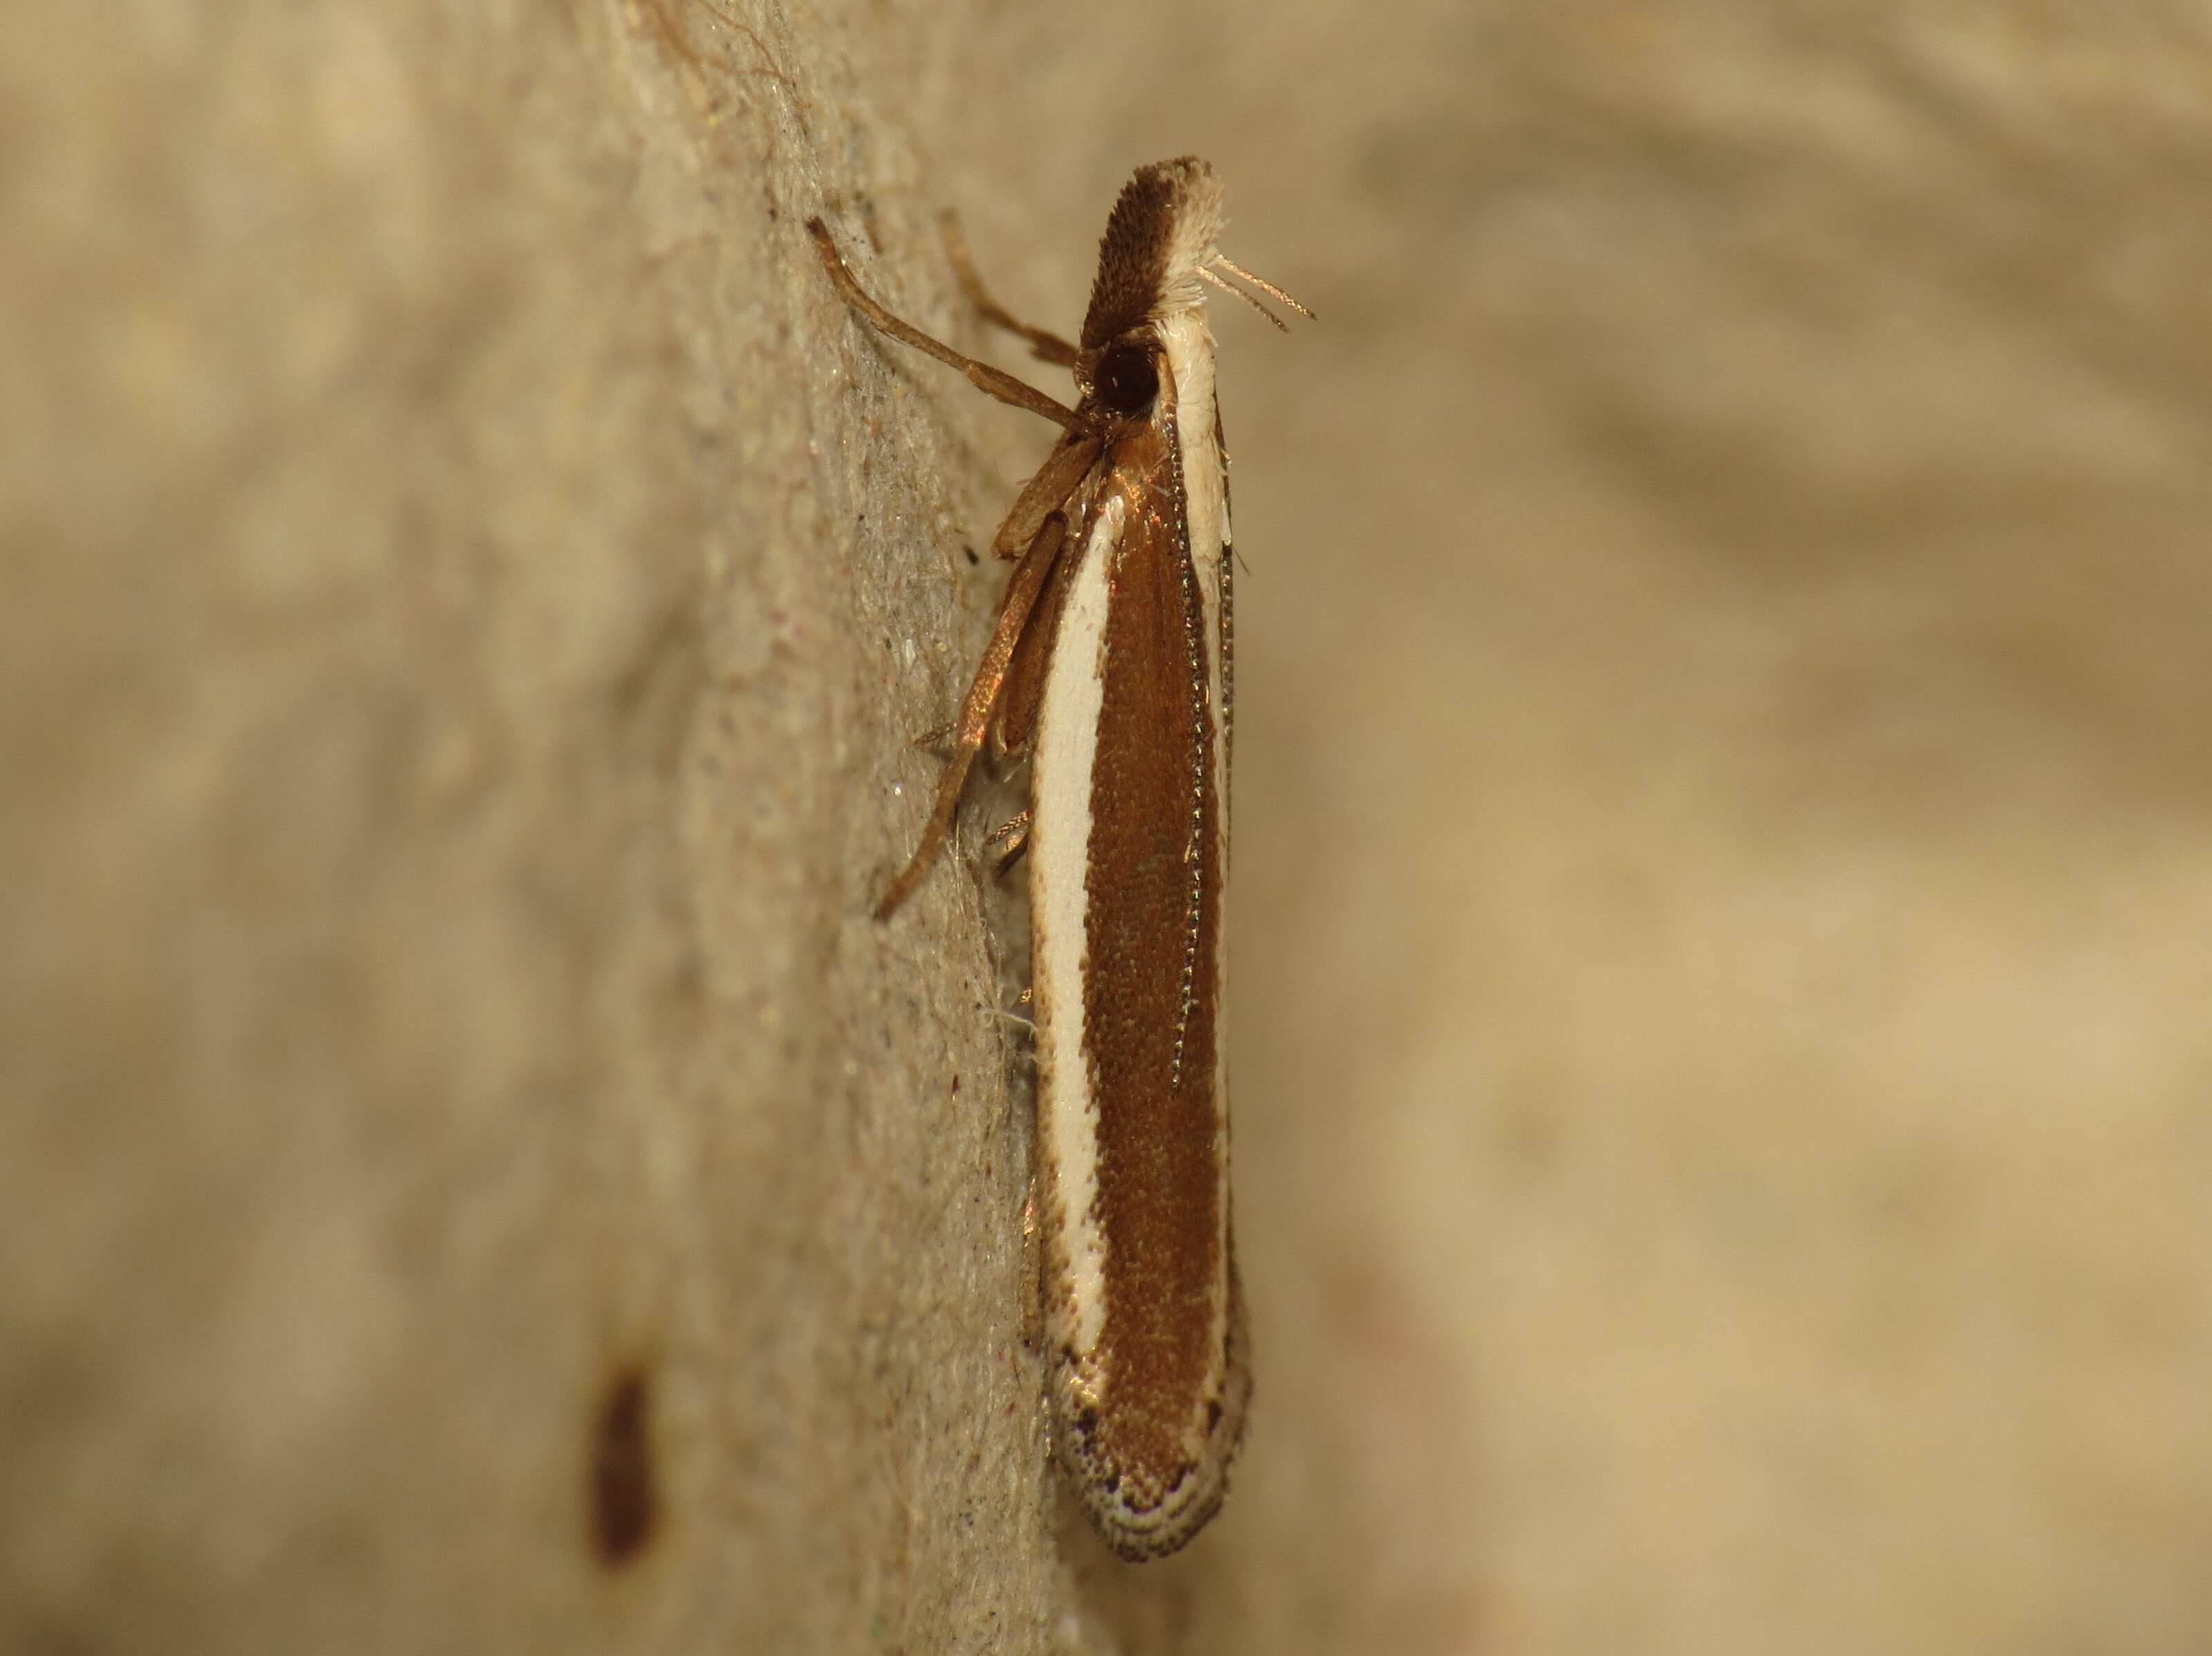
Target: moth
column 1110, row 670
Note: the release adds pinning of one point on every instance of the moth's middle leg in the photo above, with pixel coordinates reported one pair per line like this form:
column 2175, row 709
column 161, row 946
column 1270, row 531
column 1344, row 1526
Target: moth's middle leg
column 1044, row 345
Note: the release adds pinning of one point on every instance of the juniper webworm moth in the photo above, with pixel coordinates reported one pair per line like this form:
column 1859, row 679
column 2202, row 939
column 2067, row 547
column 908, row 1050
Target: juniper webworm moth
column 1109, row 671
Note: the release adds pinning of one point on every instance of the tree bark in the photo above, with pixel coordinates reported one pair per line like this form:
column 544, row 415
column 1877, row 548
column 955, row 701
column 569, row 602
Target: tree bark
column 481, row 1180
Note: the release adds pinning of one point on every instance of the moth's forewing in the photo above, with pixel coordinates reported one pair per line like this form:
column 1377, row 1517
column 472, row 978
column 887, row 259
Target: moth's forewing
column 1150, row 1391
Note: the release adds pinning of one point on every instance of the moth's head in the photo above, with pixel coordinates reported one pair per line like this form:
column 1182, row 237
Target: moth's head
column 1154, row 261
column 1160, row 235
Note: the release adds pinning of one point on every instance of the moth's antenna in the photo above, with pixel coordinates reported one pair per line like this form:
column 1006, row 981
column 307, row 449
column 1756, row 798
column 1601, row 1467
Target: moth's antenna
column 1206, row 275
column 1259, row 281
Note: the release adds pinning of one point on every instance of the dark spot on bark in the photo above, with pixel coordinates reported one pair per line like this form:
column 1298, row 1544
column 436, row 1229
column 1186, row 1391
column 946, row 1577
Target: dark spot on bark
column 624, row 1497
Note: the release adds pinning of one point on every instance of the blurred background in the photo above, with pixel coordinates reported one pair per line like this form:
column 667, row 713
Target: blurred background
column 1723, row 915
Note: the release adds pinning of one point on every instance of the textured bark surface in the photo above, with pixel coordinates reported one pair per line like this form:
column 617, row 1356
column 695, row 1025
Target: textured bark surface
column 1723, row 913
column 465, row 571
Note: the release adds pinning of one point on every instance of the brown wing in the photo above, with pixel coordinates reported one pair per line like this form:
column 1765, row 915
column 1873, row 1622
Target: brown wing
column 1154, row 887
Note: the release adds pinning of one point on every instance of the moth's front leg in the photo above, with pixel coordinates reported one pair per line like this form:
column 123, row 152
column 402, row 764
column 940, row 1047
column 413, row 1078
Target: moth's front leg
column 984, row 378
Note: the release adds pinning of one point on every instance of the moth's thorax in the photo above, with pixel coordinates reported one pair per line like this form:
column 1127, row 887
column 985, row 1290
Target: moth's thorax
column 1162, row 230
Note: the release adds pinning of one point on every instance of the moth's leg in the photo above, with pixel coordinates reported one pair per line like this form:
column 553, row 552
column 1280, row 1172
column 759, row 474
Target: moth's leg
column 1014, row 610
column 982, row 375
column 1010, row 839
column 1049, row 491
column 1046, row 346
column 1021, row 695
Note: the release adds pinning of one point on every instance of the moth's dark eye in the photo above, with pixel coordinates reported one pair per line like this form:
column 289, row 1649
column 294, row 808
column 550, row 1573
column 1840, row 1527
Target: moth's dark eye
column 1127, row 382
